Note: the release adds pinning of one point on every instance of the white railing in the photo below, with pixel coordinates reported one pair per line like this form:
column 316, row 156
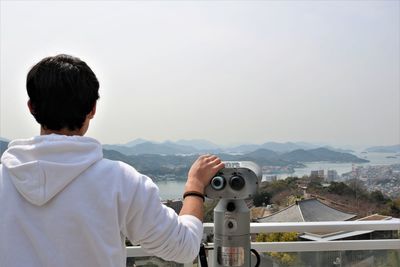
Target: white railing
column 301, row 227
column 334, row 226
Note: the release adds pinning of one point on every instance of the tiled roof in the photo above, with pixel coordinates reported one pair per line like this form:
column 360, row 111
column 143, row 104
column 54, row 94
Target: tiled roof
column 344, row 234
column 289, row 214
column 310, row 210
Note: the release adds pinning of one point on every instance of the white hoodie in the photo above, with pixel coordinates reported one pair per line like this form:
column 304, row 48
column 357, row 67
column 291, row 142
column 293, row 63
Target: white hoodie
column 62, row 204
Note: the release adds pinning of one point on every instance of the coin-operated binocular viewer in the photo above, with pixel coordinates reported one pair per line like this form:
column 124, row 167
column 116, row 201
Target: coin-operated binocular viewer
column 239, row 180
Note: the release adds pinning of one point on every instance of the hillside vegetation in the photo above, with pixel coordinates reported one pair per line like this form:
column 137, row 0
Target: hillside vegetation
column 350, row 196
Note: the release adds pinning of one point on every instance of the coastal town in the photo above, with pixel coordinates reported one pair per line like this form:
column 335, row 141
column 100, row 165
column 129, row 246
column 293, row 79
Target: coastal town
column 384, row 178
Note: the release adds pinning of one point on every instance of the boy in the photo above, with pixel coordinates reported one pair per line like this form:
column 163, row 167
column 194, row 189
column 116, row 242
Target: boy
column 63, row 204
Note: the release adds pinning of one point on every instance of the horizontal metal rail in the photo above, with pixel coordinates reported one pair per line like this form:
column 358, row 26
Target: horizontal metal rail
column 136, row 251
column 302, row 246
column 315, row 227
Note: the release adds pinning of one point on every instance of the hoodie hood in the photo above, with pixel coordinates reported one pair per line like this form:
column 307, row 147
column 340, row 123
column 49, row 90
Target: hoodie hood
column 43, row 166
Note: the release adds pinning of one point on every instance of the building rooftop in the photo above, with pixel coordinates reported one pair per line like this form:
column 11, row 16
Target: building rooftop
column 346, row 234
column 309, row 210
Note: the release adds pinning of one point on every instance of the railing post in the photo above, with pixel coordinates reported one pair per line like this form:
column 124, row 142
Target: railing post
column 210, row 258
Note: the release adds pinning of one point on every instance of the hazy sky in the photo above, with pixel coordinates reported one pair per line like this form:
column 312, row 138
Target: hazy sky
column 229, row 72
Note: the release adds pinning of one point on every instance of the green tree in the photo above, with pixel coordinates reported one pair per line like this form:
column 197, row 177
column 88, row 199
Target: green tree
column 340, row 188
column 261, row 198
column 379, row 197
column 285, row 259
column 392, row 208
column 360, row 190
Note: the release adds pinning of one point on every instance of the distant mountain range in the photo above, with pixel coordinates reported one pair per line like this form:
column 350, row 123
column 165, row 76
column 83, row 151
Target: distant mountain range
column 166, row 148
column 198, row 144
column 175, row 158
column 274, row 146
column 141, row 146
column 384, row 149
column 270, row 153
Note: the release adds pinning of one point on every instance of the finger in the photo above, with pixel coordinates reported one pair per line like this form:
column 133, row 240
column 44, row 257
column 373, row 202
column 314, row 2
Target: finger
column 220, row 166
column 216, row 161
column 211, row 158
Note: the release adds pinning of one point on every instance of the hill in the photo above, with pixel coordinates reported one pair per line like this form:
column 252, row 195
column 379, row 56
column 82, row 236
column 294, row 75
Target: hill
column 384, row 149
column 199, row 144
column 283, row 147
column 126, row 150
column 301, row 156
column 136, row 142
column 155, row 166
column 274, row 146
column 243, row 148
column 321, row 154
column 263, row 153
column 166, row 148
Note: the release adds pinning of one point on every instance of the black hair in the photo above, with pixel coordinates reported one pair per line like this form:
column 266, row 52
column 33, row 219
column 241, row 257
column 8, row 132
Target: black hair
column 63, row 91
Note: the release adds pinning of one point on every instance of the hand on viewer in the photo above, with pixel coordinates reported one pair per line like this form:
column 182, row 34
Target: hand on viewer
column 201, row 172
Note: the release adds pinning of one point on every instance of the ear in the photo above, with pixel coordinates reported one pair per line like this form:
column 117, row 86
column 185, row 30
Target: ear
column 31, row 110
column 92, row 112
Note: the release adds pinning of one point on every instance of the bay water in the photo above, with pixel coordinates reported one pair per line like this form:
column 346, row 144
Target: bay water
column 173, row 189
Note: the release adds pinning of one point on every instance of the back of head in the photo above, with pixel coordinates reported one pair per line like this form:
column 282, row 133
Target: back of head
column 63, row 90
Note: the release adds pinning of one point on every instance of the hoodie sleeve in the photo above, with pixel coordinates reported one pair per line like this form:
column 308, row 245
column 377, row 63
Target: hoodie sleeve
column 158, row 229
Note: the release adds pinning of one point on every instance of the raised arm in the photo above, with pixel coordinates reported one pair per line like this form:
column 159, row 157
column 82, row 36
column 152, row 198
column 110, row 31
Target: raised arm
column 159, row 229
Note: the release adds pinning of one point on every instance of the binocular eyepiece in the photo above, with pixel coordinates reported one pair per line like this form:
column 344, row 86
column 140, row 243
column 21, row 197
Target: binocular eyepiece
column 238, row 180
column 218, row 182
